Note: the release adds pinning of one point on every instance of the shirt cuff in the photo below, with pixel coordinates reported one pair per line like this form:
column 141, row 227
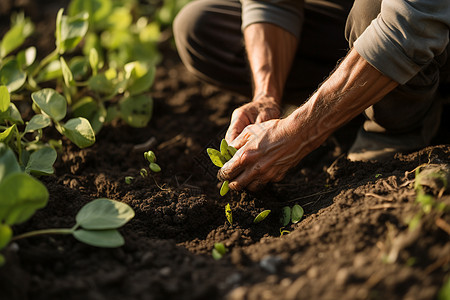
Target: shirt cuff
column 288, row 17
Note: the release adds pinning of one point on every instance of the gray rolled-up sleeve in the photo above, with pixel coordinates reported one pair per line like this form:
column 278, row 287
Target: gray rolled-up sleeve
column 405, row 37
column 287, row 14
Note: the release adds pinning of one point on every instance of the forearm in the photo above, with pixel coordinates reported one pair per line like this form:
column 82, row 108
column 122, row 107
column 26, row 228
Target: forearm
column 270, row 52
column 353, row 87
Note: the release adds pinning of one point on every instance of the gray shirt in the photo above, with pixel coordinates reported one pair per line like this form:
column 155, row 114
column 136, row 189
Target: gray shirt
column 406, row 36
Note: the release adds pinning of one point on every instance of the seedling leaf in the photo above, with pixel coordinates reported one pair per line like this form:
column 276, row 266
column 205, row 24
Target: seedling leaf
column 224, row 150
column 8, row 162
column 155, row 167
column 231, row 150
column 150, row 156
column 228, row 214
column 5, row 235
column 27, row 57
column 296, row 213
column 70, row 30
column 66, row 72
column 4, row 98
column 15, row 36
column 41, row 161
column 261, row 216
column 20, row 196
column 216, row 157
column 12, row 76
column 215, row 254
column 38, row 121
column 224, row 189
column 100, row 238
column 137, row 110
column 285, row 215
column 79, row 131
column 220, row 247
column 103, row 214
column 50, row 102
column 6, row 135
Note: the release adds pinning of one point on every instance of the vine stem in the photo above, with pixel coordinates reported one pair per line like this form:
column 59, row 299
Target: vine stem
column 45, row 231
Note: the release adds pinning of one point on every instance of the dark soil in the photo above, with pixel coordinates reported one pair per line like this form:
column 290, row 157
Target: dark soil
column 353, row 242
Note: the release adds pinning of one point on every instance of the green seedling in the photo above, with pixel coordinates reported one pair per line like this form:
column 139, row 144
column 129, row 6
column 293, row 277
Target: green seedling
column 151, row 158
column 143, row 172
column 155, row 167
column 219, row 251
column 219, row 158
column 228, row 214
column 284, row 231
column 291, row 214
column 129, row 179
column 261, row 216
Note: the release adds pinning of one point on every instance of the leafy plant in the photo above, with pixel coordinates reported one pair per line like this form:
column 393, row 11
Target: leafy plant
column 291, row 214
column 219, row 158
column 261, row 216
column 219, row 251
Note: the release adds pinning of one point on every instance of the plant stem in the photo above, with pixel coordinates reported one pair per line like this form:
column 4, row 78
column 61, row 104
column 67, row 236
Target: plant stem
column 45, row 62
column 44, row 231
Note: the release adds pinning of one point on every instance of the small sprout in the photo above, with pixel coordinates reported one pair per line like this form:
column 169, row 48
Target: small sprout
column 296, row 213
column 216, row 157
column 143, row 173
column 232, row 150
column 284, row 231
column 219, row 251
column 285, row 216
column 128, row 179
column 228, row 214
column 224, row 150
column 378, row 175
column 150, row 156
column 155, row 167
column 224, row 189
column 261, row 216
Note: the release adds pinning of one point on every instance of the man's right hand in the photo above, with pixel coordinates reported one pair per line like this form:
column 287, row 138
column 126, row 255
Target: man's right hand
column 262, row 108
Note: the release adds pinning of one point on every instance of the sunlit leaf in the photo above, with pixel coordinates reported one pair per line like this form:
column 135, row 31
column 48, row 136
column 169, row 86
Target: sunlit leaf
column 79, row 66
column 224, row 149
column 110, row 238
column 70, row 30
column 224, row 188
column 8, row 162
column 216, row 157
column 51, row 102
column 262, row 215
column 67, row 73
column 38, row 121
column 229, row 214
column 5, row 235
column 51, row 71
column 99, row 83
column 41, row 161
column 15, row 37
column 4, row 98
column 140, row 77
column 104, row 213
column 79, row 131
column 7, row 134
column 98, row 10
column 27, row 57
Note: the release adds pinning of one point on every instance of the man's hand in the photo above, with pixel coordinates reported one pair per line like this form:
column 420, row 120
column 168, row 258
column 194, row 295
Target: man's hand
column 268, row 149
column 259, row 110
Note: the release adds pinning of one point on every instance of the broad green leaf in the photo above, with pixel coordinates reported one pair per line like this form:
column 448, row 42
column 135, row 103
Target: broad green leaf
column 51, row 102
column 155, row 167
column 79, row 131
column 224, row 188
column 27, row 57
column 5, row 98
column 98, row 10
column 8, row 162
column 7, row 134
column 12, row 76
column 103, row 213
column 224, row 150
column 67, row 73
column 261, row 216
column 41, row 161
column 100, row 84
column 136, row 111
column 70, row 30
column 51, row 71
column 88, row 108
column 14, row 114
column 216, row 157
column 100, row 238
column 229, row 214
column 296, row 213
column 5, row 235
column 140, row 77
column 20, row 196
column 285, row 215
column 15, row 36
column 38, row 121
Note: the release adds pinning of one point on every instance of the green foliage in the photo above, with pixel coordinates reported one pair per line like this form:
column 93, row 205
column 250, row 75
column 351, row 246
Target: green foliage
column 219, row 251
column 291, row 214
column 219, row 158
column 261, row 216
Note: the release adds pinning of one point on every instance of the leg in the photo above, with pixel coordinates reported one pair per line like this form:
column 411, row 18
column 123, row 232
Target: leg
column 408, row 117
column 209, row 41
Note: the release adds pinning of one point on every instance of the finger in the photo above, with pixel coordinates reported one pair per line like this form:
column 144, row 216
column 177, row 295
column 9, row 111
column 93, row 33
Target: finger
column 248, row 176
column 243, row 137
column 238, row 122
column 231, row 169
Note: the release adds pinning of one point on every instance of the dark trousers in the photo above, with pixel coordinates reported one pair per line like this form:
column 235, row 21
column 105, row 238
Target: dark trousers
column 210, row 43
